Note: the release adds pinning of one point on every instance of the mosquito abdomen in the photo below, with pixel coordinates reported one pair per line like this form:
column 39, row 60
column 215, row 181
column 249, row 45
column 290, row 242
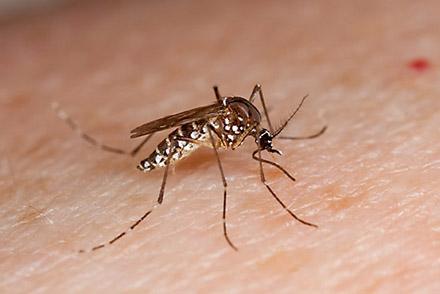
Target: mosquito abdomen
column 178, row 144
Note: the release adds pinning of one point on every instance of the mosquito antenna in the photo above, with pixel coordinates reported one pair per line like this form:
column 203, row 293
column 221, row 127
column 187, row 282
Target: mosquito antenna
column 305, row 137
column 280, row 129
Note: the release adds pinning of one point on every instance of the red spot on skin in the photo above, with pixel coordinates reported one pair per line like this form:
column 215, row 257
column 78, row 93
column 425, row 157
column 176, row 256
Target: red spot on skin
column 419, row 64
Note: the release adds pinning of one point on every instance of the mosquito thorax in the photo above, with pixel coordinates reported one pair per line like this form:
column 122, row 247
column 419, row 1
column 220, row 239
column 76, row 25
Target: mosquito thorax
column 242, row 107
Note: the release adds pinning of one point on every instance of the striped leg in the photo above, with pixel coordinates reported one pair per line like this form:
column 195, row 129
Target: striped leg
column 134, row 225
column 75, row 127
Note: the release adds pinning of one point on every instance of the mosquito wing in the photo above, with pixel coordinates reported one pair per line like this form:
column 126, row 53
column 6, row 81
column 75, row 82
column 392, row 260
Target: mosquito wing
column 178, row 119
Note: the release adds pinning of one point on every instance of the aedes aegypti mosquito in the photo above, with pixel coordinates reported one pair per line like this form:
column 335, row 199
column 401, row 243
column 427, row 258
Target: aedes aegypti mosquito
column 221, row 125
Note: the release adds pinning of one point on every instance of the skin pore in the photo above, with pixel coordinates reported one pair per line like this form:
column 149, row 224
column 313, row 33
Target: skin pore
column 370, row 182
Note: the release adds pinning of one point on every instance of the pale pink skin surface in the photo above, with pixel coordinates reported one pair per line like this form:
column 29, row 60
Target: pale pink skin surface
column 370, row 183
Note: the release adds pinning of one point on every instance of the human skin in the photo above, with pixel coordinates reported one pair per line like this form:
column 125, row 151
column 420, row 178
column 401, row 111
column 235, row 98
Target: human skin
column 370, row 182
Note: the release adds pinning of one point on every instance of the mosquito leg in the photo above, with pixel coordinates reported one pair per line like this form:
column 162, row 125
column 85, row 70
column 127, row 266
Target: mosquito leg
column 262, row 160
column 134, row 225
column 139, row 147
column 316, row 135
column 189, row 140
column 225, row 232
column 164, row 181
column 257, row 89
column 217, row 94
column 254, row 92
column 75, row 127
column 263, row 180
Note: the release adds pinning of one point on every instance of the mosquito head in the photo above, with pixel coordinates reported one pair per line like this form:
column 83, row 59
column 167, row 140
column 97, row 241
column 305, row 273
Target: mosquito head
column 264, row 140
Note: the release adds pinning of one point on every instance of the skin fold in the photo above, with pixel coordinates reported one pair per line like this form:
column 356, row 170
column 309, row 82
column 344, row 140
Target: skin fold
column 370, row 182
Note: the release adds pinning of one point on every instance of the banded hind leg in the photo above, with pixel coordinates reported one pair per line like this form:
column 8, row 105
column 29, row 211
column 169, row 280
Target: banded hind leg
column 141, row 219
column 166, row 165
column 138, row 221
column 91, row 140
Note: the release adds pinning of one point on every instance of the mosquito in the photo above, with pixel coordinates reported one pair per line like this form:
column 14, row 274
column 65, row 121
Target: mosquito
column 224, row 124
